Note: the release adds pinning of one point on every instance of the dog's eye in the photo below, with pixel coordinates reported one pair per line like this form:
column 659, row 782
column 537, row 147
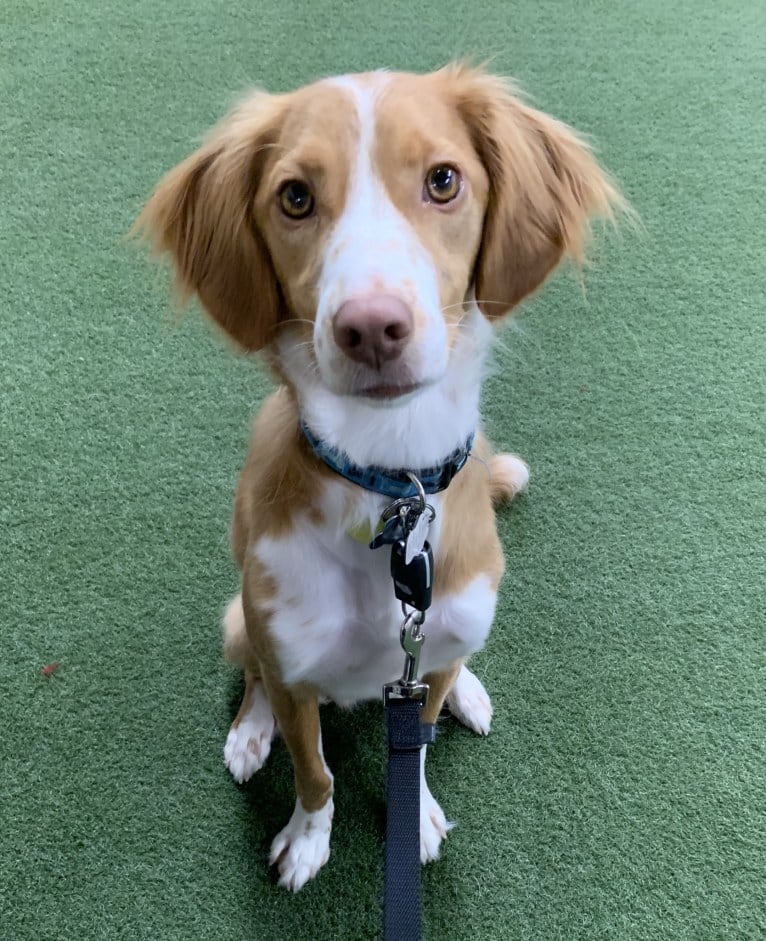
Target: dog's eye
column 443, row 183
column 296, row 199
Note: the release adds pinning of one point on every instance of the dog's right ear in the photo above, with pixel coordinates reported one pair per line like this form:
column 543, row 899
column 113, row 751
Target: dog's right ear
column 201, row 215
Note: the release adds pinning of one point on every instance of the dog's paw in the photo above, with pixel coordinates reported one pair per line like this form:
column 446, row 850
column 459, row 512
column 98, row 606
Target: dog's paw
column 434, row 826
column 469, row 703
column 303, row 847
column 249, row 740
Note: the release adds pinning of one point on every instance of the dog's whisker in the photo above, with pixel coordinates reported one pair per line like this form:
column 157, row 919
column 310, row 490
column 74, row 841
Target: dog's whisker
column 292, row 320
column 283, row 325
column 485, row 302
column 462, row 304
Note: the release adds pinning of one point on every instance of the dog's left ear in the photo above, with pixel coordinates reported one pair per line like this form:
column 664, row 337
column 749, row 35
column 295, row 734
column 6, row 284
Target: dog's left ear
column 545, row 188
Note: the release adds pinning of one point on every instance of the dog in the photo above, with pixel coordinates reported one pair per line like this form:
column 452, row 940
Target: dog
column 364, row 233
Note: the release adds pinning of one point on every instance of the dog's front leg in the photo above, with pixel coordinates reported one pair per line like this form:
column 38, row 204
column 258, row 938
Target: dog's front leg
column 303, row 846
column 433, row 824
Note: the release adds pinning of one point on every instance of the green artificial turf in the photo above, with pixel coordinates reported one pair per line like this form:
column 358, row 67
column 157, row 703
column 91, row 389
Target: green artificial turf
column 622, row 792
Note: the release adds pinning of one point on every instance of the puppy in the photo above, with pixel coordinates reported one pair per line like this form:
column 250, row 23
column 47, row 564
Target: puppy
column 364, row 233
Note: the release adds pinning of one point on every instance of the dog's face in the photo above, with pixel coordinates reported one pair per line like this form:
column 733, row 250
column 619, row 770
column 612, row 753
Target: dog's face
column 346, row 226
column 371, row 205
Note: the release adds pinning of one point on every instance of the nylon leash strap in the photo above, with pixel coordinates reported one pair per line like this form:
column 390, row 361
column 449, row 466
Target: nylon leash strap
column 402, row 914
column 405, row 526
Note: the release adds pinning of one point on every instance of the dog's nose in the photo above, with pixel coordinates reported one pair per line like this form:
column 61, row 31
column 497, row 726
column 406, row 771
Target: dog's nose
column 372, row 330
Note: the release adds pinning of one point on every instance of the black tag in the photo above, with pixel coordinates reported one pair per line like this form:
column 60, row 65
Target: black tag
column 413, row 582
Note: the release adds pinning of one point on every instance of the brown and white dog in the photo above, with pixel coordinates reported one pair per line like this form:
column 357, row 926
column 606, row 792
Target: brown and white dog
column 364, row 232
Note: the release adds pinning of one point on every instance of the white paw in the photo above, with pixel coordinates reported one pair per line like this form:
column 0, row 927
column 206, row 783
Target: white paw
column 434, row 826
column 303, row 847
column 469, row 703
column 249, row 740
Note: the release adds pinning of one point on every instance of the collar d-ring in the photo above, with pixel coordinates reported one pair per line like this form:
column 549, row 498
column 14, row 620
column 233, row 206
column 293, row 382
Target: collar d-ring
column 420, row 489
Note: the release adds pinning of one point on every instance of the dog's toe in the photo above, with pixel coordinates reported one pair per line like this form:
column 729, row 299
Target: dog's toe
column 246, row 749
column 469, row 702
column 303, row 846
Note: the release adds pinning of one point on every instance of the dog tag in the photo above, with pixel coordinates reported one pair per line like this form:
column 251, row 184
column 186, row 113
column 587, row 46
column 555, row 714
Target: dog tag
column 413, row 581
column 416, row 538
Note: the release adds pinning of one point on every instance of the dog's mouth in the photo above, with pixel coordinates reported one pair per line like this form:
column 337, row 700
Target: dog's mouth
column 385, row 391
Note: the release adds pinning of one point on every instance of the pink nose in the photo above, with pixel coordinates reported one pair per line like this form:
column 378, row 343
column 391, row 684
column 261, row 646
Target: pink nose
column 372, row 330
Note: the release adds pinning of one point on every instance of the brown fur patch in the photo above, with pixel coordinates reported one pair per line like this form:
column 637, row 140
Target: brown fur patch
column 251, row 679
column 439, row 685
column 298, row 720
column 468, row 542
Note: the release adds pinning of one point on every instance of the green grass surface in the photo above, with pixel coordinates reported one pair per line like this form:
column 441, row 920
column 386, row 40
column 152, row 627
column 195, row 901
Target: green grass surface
column 622, row 793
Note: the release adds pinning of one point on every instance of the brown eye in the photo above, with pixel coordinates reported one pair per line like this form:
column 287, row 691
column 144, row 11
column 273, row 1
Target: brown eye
column 296, row 199
column 443, row 183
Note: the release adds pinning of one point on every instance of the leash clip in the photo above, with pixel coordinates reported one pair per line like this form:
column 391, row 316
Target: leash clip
column 412, row 585
column 411, row 639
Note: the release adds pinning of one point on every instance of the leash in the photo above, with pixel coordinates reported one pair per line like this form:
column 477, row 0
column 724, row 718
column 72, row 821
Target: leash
column 405, row 527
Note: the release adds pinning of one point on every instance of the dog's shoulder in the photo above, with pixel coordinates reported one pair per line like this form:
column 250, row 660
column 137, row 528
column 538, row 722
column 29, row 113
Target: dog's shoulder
column 281, row 478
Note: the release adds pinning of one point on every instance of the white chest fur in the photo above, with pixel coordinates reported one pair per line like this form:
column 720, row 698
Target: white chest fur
column 334, row 619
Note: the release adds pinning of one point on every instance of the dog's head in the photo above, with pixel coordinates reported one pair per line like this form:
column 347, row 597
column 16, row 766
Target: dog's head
column 346, row 226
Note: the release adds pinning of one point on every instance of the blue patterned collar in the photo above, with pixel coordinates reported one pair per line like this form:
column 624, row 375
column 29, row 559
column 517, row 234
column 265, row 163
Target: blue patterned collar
column 385, row 481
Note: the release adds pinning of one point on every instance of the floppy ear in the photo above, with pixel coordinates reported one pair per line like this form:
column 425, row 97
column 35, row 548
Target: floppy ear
column 201, row 215
column 545, row 187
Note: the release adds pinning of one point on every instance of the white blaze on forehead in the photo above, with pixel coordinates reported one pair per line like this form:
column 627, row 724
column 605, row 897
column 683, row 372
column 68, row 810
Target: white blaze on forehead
column 373, row 249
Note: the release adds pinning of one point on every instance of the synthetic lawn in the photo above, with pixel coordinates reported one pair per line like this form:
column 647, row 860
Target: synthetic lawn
column 621, row 794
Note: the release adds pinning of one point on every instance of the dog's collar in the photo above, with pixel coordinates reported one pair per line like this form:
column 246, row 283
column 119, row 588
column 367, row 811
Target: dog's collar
column 390, row 482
